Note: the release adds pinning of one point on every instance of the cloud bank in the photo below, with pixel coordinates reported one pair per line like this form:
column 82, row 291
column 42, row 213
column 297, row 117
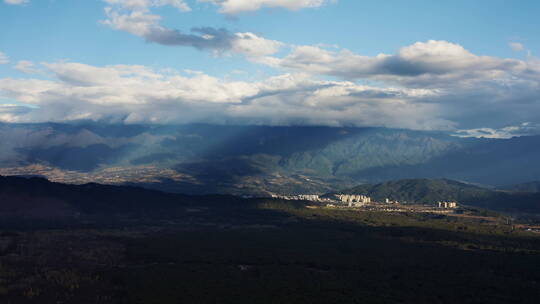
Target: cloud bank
column 428, row 85
column 433, row 85
column 423, row 64
column 523, row 129
column 137, row 94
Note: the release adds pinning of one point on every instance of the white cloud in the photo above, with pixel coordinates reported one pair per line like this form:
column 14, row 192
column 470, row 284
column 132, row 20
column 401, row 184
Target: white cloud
column 16, row 2
column 523, row 129
column 516, row 46
column 240, row 6
column 4, row 59
column 27, row 67
column 144, row 5
column 146, row 25
column 428, row 85
column 423, row 64
column 135, row 18
column 252, row 45
column 136, row 22
column 137, row 94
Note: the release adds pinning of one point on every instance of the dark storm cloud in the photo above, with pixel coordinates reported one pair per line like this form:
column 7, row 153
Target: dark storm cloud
column 204, row 37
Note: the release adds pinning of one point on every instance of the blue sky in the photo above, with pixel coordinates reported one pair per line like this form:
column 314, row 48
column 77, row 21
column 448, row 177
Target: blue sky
column 77, row 31
column 50, row 30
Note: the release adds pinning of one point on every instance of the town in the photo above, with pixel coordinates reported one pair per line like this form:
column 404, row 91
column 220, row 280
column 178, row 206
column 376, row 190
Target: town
column 365, row 203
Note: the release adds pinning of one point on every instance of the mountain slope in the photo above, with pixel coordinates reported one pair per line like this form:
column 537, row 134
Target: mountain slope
column 531, row 187
column 37, row 198
column 426, row 191
column 249, row 158
column 373, row 148
column 430, row 191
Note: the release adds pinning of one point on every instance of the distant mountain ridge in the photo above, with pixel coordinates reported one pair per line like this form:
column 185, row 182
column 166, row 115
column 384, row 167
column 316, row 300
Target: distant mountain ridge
column 426, row 191
column 431, row 191
column 263, row 159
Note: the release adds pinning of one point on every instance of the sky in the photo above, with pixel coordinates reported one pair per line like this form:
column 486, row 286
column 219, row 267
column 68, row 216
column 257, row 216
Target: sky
column 467, row 67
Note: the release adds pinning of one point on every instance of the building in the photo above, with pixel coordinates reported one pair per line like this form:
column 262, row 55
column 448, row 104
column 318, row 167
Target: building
column 389, row 201
column 353, row 200
column 350, row 200
column 309, row 197
column 301, row 197
column 447, row 205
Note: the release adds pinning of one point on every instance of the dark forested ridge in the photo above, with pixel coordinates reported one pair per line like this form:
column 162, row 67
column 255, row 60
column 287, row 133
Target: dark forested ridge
column 33, row 201
column 85, row 244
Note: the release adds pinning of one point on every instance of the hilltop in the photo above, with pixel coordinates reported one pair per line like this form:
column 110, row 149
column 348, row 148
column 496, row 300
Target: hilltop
column 31, row 201
column 425, row 191
column 430, row 191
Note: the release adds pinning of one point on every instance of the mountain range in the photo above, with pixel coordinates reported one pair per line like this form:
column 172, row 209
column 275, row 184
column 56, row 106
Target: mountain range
column 263, row 159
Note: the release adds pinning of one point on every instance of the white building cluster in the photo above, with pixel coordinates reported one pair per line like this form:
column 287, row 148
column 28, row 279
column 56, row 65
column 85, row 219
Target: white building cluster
column 301, row 197
column 389, row 201
column 388, row 205
column 309, row 197
column 341, row 199
column 353, row 200
column 447, row 205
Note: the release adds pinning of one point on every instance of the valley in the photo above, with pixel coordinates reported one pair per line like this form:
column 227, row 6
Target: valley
column 131, row 245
